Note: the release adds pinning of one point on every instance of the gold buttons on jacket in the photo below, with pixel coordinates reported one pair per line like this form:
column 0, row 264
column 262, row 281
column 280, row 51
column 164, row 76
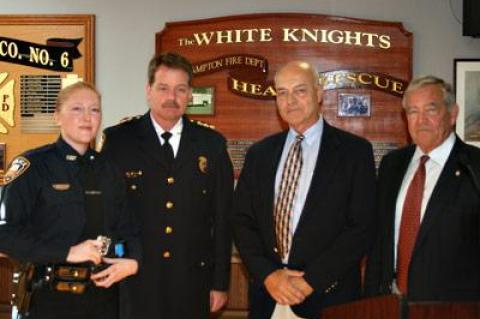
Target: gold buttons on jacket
column 170, row 180
column 133, row 187
column 166, row 254
column 168, row 230
column 169, row 205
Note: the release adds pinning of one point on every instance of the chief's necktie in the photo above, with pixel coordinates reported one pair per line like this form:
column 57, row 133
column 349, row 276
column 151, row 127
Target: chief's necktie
column 286, row 195
column 167, row 148
column 410, row 224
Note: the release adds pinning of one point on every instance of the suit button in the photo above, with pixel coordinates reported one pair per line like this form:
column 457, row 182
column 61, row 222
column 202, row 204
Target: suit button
column 275, row 249
column 166, row 254
column 204, row 191
column 133, row 187
column 170, row 180
column 169, row 205
column 202, row 264
column 168, row 230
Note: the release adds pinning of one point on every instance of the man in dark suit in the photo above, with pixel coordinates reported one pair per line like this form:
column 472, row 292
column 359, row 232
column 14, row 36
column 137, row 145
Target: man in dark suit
column 434, row 255
column 180, row 184
column 329, row 215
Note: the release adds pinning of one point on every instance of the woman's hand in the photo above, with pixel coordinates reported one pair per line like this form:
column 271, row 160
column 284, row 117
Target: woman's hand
column 119, row 269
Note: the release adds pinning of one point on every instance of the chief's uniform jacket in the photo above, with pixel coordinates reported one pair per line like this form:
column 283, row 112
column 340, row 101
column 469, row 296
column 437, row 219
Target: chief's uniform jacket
column 44, row 205
column 183, row 214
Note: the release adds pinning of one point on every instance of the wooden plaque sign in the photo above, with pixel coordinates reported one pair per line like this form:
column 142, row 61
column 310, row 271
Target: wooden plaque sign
column 38, row 56
column 364, row 66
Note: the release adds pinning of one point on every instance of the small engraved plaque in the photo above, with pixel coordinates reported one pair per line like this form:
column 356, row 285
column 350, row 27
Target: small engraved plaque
column 38, row 94
column 382, row 148
column 238, row 150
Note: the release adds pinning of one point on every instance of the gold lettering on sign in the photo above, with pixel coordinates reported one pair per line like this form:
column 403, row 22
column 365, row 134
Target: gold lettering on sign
column 7, row 103
column 350, row 79
column 300, row 35
column 252, row 89
column 337, row 37
column 228, row 37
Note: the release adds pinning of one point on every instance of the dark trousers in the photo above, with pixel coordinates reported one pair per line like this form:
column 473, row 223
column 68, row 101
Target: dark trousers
column 95, row 303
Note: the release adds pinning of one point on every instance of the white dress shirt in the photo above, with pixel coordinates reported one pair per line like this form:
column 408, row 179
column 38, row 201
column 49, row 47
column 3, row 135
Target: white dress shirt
column 176, row 134
column 433, row 169
column 310, row 148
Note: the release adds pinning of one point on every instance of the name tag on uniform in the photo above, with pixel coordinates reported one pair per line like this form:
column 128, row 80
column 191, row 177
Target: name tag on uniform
column 61, row 187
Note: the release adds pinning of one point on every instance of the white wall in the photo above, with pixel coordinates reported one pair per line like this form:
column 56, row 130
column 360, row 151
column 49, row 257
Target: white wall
column 125, row 33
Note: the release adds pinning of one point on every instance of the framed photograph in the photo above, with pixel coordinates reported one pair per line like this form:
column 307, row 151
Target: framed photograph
column 202, row 101
column 467, row 90
column 352, row 105
column 3, row 158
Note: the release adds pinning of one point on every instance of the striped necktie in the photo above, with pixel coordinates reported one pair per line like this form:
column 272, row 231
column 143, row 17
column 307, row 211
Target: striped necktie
column 286, row 195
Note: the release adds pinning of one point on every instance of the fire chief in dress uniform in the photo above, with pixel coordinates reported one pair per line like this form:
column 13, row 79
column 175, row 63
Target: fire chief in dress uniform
column 180, row 183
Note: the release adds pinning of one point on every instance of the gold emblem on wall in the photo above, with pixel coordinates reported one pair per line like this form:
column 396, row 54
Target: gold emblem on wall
column 7, row 104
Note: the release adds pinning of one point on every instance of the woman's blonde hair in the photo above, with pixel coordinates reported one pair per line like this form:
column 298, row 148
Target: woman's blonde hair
column 66, row 92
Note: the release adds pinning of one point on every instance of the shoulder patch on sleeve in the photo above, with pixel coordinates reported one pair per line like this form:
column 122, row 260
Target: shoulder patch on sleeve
column 17, row 167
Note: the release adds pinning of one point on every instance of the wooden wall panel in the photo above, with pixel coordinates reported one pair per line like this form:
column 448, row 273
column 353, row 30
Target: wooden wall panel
column 382, row 50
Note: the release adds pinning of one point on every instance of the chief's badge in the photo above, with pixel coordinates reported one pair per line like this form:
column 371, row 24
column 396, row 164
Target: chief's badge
column 18, row 166
column 202, row 164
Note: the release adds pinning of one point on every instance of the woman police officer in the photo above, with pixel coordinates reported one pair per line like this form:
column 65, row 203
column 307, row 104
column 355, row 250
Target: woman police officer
column 58, row 199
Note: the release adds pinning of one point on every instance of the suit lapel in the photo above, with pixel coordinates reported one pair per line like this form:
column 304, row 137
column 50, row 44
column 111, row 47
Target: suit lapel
column 148, row 139
column 327, row 161
column 268, row 180
column 444, row 190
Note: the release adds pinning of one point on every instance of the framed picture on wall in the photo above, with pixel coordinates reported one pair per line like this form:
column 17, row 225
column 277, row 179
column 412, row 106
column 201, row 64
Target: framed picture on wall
column 202, row 101
column 352, row 105
column 467, row 90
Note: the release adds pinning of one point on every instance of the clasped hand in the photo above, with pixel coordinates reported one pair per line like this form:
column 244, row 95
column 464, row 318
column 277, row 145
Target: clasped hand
column 90, row 251
column 287, row 287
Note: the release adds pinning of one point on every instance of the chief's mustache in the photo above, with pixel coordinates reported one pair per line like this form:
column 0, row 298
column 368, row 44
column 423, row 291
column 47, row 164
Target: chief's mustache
column 170, row 104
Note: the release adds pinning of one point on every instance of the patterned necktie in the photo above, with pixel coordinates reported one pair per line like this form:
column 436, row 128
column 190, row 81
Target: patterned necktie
column 167, row 148
column 410, row 224
column 286, row 195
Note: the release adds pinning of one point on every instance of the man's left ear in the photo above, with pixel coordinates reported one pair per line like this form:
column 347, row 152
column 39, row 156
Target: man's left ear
column 320, row 94
column 454, row 114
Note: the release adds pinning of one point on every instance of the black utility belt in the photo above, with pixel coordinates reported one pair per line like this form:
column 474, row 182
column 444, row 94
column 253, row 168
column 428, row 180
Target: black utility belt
column 70, row 278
